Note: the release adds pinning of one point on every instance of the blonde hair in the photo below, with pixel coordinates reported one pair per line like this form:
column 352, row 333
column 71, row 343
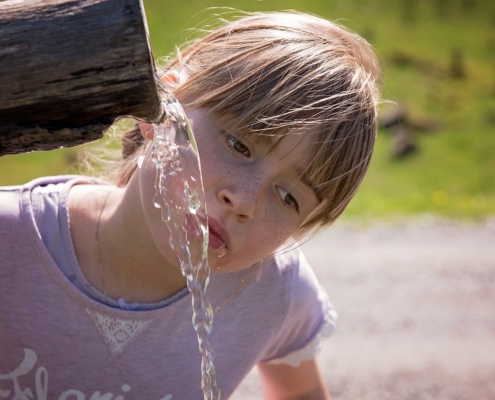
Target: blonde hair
column 279, row 73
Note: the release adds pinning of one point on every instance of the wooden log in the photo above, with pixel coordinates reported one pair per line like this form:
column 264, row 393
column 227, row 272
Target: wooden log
column 69, row 68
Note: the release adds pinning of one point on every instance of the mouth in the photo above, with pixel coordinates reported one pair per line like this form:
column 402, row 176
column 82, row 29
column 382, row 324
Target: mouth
column 218, row 239
column 192, row 226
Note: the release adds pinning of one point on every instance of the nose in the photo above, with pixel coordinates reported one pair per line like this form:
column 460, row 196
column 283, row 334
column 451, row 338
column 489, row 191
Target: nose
column 244, row 198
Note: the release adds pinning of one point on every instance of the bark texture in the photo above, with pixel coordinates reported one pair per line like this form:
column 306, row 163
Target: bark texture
column 69, row 68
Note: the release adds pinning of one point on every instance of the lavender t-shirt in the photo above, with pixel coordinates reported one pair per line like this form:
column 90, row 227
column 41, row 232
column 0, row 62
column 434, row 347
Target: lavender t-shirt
column 59, row 342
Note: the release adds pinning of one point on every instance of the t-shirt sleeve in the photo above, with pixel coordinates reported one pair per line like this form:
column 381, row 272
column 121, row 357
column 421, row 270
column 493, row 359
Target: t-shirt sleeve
column 310, row 318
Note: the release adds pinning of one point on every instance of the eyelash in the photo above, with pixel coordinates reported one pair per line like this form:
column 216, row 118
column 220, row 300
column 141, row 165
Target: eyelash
column 232, row 141
column 284, row 195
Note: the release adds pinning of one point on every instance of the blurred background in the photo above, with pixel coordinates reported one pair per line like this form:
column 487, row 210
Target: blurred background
column 411, row 265
column 438, row 60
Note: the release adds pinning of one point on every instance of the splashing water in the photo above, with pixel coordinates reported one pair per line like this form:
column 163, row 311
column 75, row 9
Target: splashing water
column 180, row 197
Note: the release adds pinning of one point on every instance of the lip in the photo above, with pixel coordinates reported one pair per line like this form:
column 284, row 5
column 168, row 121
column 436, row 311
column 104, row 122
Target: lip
column 219, row 238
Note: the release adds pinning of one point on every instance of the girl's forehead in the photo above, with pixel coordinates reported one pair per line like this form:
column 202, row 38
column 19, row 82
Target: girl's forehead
column 294, row 145
column 294, row 151
column 297, row 147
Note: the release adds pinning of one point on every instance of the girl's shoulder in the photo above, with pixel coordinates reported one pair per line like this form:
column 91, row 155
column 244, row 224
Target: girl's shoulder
column 304, row 313
column 16, row 198
column 46, row 183
column 292, row 268
column 276, row 281
column 283, row 283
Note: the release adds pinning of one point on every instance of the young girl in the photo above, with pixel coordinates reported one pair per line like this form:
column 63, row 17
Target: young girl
column 93, row 304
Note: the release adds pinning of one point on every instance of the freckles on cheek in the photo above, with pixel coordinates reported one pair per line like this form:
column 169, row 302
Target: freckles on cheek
column 277, row 229
column 211, row 170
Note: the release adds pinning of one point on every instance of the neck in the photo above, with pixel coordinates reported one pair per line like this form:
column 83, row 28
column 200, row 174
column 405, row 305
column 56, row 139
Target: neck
column 130, row 266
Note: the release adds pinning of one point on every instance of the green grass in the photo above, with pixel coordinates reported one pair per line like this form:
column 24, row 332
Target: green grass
column 452, row 173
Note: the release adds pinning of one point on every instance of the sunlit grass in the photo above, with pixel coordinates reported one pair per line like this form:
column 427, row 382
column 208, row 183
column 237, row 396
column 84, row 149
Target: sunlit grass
column 452, row 173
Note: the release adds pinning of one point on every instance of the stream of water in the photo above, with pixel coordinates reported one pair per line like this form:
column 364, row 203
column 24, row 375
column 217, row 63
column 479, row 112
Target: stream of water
column 181, row 200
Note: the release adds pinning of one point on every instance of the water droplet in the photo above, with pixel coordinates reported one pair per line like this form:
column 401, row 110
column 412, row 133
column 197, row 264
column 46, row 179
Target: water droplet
column 221, row 251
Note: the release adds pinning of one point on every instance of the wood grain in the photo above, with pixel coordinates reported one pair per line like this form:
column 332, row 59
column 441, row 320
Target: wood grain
column 69, row 68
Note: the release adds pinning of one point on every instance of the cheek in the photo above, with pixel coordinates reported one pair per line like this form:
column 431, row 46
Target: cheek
column 213, row 169
column 273, row 231
column 147, row 180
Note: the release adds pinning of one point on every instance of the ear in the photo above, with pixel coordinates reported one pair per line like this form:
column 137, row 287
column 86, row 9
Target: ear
column 146, row 130
column 171, row 79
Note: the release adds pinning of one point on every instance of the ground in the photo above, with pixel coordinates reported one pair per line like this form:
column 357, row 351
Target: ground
column 416, row 304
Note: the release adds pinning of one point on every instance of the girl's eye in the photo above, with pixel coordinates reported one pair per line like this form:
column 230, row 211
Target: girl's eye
column 238, row 146
column 288, row 199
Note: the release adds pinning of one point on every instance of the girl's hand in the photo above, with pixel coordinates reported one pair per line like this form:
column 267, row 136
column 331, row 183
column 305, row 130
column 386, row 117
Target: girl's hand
column 283, row 382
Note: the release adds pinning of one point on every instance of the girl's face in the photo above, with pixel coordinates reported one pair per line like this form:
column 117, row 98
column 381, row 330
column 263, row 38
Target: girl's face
column 255, row 198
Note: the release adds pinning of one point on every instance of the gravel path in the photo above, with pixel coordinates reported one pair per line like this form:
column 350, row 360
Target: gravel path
column 416, row 304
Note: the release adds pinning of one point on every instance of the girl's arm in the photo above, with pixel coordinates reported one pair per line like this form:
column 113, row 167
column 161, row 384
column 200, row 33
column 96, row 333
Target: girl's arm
column 283, row 382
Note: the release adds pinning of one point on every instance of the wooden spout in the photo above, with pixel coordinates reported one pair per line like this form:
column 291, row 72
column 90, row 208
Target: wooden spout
column 69, row 68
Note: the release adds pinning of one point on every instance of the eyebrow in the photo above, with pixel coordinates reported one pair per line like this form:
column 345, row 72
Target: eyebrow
column 272, row 141
column 300, row 172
